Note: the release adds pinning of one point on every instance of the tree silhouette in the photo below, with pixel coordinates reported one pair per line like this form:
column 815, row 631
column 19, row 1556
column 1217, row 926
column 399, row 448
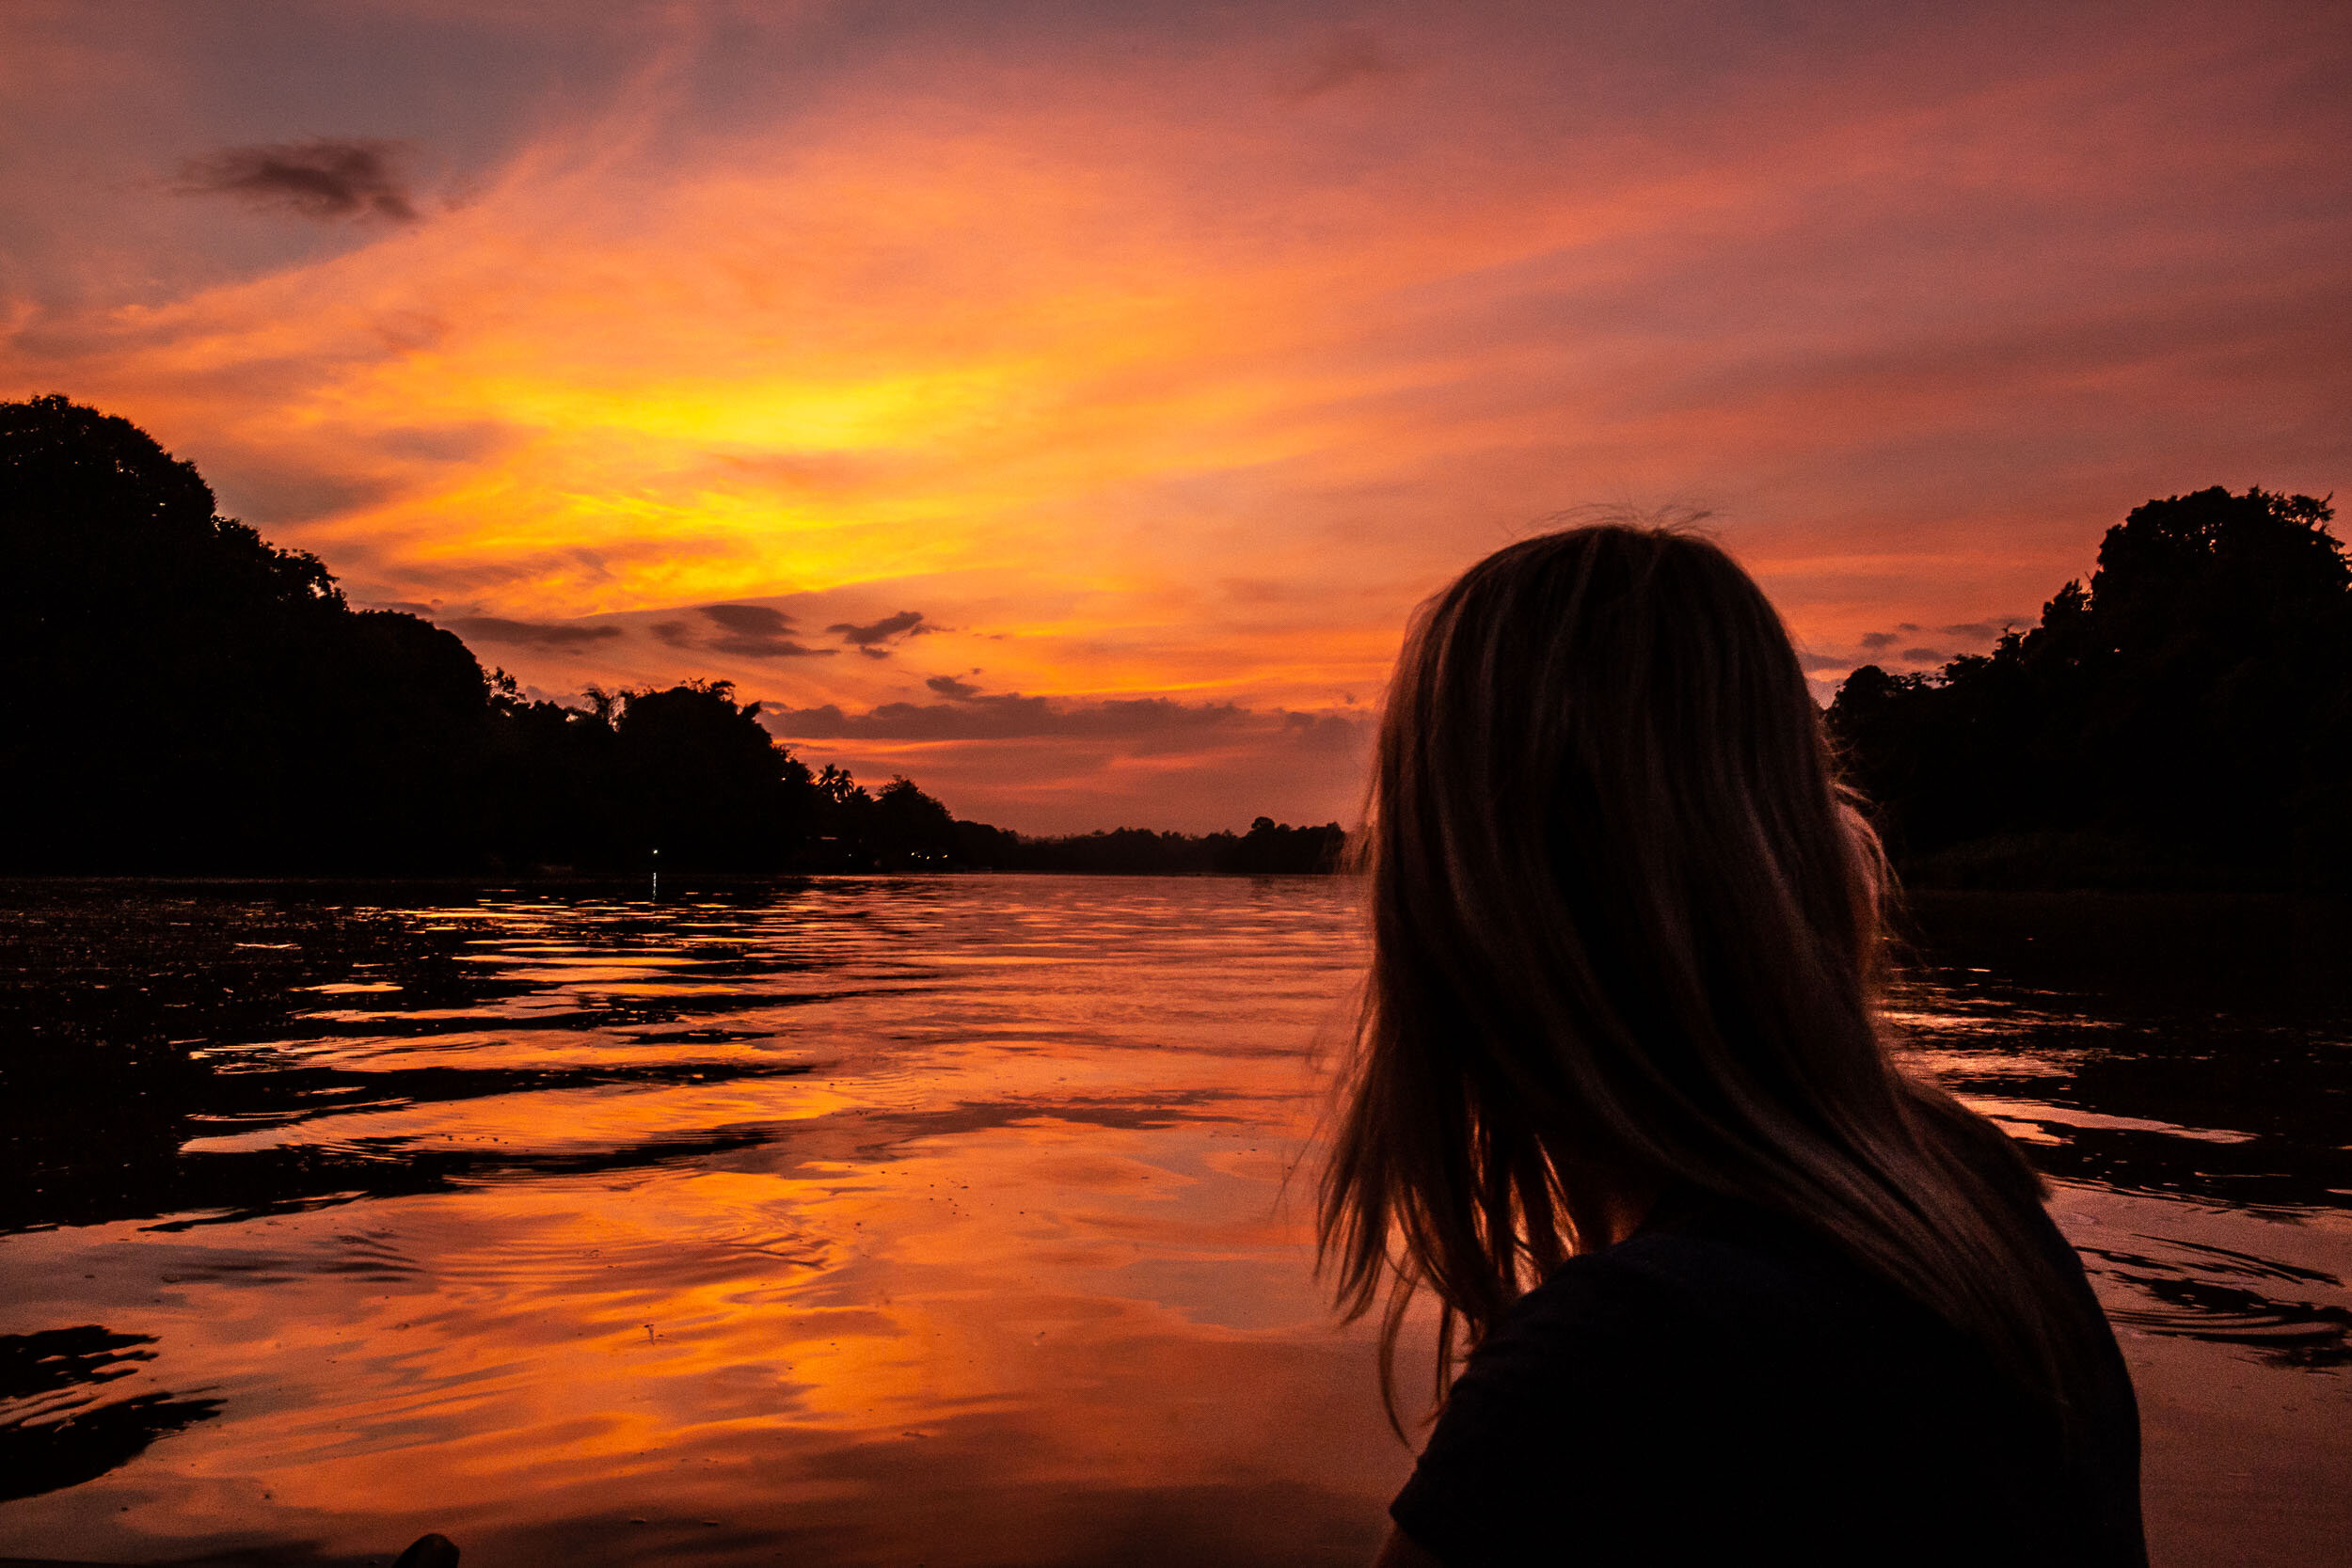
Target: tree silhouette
column 2187, row 713
column 182, row 696
column 911, row 830
column 704, row 783
column 178, row 695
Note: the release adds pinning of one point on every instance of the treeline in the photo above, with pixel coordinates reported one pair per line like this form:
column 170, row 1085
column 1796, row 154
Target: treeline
column 1268, row 846
column 2183, row 719
column 178, row 696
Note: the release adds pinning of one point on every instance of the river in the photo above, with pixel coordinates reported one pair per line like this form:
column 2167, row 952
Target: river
column 956, row 1220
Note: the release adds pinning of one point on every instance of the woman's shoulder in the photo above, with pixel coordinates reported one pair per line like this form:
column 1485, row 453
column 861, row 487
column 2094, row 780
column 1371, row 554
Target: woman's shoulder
column 1725, row 1274
column 1715, row 1379
column 1735, row 1331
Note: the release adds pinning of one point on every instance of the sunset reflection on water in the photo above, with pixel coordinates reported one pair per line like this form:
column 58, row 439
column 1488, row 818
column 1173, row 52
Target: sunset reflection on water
column 860, row 1221
column 953, row 1228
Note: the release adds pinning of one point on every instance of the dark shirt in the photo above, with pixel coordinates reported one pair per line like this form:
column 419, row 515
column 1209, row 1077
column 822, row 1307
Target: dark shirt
column 1729, row 1389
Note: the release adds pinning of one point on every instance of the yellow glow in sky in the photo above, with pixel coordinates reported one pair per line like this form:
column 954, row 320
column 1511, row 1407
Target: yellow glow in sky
column 1171, row 356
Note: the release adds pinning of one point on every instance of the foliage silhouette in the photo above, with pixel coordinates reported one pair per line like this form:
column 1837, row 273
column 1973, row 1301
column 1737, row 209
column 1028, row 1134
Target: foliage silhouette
column 174, row 692
column 2185, row 717
column 177, row 695
column 1268, row 848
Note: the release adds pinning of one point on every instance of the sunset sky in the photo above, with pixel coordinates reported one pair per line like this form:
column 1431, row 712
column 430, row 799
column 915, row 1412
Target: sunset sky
column 1066, row 404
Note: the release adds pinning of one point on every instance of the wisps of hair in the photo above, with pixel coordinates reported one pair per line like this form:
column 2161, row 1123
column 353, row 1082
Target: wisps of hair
column 1627, row 936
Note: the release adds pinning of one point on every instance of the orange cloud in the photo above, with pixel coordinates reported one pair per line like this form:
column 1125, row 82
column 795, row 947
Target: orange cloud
column 1175, row 362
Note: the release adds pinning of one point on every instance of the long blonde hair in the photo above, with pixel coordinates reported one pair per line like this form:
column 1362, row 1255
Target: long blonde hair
column 1627, row 936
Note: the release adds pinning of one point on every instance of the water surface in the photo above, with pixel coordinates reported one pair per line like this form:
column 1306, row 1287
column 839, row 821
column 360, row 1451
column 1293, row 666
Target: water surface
column 931, row 1220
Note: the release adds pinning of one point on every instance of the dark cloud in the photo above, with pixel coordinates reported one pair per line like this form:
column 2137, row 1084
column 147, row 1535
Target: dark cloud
column 1000, row 718
column 595, row 561
column 1984, row 631
column 265, row 488
column 1350, row 56
column 947, row 686
column 326, row 178
column 753, row 631
column 475, row 576
column 751, row 620
column 1323, row 731
column 871, row 640
column 983, row 717
column 1883, row 642
column 1815, row 663
column 534, row 634
column 443, row 443
column 675, row 634
column 766, row 647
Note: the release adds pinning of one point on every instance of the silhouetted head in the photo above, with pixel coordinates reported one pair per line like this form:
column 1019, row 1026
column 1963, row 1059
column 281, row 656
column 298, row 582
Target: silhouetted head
column 1627, row 948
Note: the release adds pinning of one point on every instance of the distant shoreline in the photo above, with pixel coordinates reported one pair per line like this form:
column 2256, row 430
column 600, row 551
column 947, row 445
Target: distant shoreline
column 1926, row 902
column 684, row 880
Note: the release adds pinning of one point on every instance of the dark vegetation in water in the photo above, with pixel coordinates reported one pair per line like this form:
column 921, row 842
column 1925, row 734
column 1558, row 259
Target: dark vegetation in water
column 134, row 1020
column 2190, row 1009
column 177, row 695
column 2182, row 719
column 139, row 1020
column 2206, row 1032
column 61, row 1429
column 169, row 1058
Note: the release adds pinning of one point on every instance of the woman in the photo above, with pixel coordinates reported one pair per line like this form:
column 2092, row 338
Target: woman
column 1735, row 1289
